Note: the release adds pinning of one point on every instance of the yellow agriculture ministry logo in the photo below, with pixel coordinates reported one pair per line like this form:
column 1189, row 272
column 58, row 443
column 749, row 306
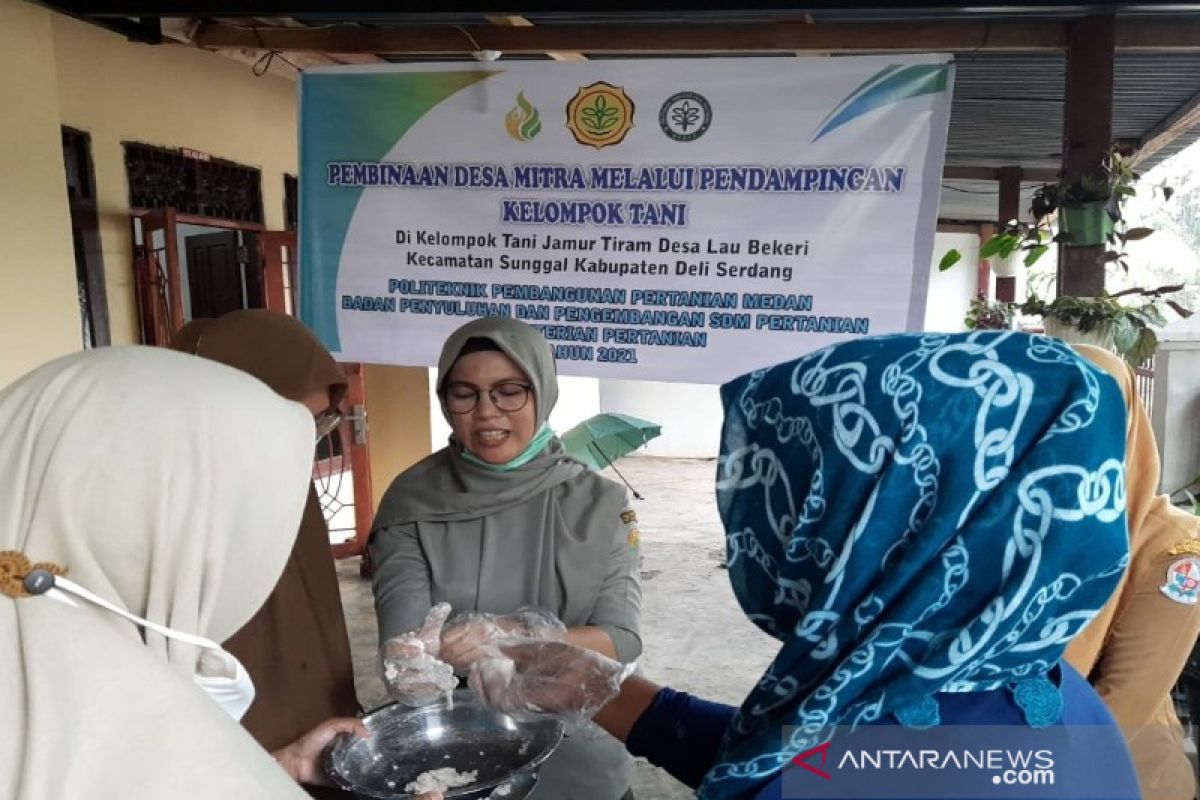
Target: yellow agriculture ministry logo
column 600, row 115
column 523, row 122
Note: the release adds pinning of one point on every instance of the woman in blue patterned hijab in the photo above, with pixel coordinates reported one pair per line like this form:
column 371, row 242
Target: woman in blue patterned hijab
column 923, row 522
column 913, row 515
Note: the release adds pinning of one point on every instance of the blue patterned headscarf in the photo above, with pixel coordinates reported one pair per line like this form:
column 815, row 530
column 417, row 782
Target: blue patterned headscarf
column 910, row 515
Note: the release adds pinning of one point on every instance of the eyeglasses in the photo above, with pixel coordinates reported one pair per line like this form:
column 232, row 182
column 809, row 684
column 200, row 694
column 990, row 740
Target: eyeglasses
column 326, row 422
column 462, row 398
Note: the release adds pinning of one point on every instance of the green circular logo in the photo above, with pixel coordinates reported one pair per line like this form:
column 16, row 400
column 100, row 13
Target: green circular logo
column 685, row 116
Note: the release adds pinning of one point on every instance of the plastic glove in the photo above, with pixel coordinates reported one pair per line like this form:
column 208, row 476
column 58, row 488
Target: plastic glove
column 468, row 636
column 539, row 677
column 409, row 665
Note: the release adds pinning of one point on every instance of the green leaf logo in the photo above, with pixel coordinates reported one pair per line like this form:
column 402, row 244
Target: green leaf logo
column 523, row 122
column 600, row 115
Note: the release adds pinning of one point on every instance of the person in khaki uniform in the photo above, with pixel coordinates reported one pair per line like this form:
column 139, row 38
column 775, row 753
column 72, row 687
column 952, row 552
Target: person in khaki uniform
column 1134, row 650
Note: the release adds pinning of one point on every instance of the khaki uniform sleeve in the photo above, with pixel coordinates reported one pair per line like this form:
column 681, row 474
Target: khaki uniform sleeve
column 1155, row 630
column 618, row 609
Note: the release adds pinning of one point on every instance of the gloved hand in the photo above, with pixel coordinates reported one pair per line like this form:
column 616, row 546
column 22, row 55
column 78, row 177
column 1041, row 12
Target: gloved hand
column 540, row 677
column 467, row 636
column 409, row 665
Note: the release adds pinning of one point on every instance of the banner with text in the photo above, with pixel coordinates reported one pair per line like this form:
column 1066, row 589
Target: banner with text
column 675, row 220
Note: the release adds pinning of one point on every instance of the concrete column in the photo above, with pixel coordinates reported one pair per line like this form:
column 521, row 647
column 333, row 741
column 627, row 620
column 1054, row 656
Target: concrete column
column 1176, row 406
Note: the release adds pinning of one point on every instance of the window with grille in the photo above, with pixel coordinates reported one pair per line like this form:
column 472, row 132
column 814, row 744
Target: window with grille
column 192, row 183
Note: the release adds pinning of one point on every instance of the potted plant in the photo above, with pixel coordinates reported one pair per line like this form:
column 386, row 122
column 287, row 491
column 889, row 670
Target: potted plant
column 1105, row 321
column 1088, row 210
column 1089, row 207
column 985, row 315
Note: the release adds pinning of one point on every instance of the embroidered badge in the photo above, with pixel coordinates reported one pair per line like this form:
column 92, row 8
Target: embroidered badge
column 628, row 517
column 635, row 537
column 1185, row 547
column 1183, row 581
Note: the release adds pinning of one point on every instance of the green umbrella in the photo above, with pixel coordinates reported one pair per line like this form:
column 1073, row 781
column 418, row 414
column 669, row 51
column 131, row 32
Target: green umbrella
column 602, row 439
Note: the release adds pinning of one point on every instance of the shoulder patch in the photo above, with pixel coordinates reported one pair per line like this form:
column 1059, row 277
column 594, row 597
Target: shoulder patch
column 1183, row 581
column 628, row 517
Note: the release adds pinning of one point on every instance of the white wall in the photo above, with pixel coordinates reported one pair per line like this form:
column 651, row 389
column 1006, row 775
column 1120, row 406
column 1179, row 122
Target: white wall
column 950, row 292
column 690, row 414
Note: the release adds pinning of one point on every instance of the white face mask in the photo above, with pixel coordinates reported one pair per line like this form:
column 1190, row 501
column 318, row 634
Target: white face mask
column 230, row 688
column 233, row 694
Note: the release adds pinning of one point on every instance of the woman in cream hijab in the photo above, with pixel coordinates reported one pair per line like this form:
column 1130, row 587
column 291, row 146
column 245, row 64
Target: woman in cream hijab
column 138, row 474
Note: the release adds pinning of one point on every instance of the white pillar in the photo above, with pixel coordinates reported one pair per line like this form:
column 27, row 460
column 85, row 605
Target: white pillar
column 1177, row 402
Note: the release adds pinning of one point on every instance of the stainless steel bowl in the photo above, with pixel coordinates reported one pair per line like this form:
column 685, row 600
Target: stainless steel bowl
column 407, row 742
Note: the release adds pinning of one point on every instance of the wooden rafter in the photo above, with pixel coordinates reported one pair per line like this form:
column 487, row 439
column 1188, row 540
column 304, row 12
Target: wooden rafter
column 521, row 22
column 287, row 65
column 1033, row 175
column 633, row 39
column 1177, row 35
column 1179, row 122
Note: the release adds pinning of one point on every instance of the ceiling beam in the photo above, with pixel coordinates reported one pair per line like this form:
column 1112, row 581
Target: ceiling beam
column 1028, row 175
column 521, row 22
column 632, row 39
column 1181, row 34
column 343, row 58
column 958, row 226
column 1177, row 35
column 1179, row 122
column 369, row 8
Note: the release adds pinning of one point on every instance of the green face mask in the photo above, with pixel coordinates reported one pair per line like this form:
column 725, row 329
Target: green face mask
column 535, row 446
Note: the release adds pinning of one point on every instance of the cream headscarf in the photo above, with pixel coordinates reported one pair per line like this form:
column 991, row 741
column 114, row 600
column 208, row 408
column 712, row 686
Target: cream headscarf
column 142, row 472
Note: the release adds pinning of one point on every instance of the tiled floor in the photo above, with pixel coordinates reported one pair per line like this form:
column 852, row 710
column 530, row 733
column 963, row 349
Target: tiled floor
column 695, row 635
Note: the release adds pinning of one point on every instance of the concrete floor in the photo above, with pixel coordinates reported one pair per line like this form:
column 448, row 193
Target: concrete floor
column 695, row 635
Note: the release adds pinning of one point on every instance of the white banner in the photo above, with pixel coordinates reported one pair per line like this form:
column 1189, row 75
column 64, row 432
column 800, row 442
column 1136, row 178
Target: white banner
column 675, row 220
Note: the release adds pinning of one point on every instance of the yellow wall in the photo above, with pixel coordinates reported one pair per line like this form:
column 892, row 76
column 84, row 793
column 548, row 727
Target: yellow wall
column 58, row 71
column 398, row 421
column 168, row 96
column 39, row 312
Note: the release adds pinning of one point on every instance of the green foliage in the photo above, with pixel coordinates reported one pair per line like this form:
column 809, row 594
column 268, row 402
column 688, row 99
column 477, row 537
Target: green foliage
column 984, row 315
column 1130, row 325
column 1112, row 184
column 951, row 258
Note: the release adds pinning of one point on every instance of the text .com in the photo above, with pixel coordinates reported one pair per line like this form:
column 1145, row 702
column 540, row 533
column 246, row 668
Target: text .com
column 1024, row 777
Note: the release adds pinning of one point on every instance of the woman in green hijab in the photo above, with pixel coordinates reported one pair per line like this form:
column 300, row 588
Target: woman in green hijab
column 502, row 521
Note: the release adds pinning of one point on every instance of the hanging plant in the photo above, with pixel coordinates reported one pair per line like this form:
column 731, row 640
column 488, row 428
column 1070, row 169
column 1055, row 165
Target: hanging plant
column 1088, row 209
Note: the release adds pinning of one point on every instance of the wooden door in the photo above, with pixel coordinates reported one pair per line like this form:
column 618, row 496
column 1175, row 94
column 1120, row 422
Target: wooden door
column 156, row 275
column 342, row 470
column 277, row 255
column 214, row 274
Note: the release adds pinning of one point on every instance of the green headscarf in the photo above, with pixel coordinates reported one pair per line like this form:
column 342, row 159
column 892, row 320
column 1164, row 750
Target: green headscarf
column 547, row 533
column 448, row 487
column 529, row 351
